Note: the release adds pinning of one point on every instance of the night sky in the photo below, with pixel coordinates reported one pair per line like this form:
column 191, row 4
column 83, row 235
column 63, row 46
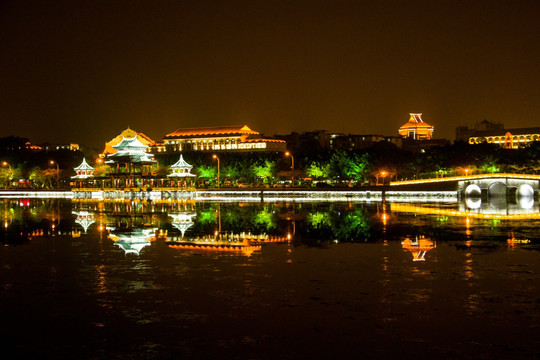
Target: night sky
column 82, row 71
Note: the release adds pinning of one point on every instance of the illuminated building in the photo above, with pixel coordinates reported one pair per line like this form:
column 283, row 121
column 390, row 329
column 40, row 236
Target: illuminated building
column 355, row 142
column 84, row 171
column 416, row 128
column 29, row 146
column 126, row 134
column 217, row 139
column 181, row 171
column 495, row 133
column 130, row 150
column 130, row 164
column 70, row 147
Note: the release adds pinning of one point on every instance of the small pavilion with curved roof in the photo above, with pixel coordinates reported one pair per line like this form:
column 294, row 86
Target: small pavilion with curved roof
column 416, row 128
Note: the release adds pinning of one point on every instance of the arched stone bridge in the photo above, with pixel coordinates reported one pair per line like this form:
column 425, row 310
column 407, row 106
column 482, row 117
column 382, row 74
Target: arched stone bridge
column 484, row 185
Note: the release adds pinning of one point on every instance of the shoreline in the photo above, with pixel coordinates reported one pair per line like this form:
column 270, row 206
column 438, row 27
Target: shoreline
column 378, row 194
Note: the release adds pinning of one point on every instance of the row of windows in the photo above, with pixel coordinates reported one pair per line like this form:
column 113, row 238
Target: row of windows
column 503, row 139
column 210, row 146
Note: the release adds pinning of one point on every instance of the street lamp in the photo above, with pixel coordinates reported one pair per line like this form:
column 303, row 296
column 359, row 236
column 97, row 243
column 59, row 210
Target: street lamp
column 52, row 162
column 382, row 174
column 5, row 163
column 216, row 157
column 287, row 153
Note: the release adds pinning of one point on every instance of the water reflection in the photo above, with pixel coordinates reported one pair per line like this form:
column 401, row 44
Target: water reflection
column 134, row 241
column 165, row 270
column 84, row 219
column 238, row 225
column 418, row 247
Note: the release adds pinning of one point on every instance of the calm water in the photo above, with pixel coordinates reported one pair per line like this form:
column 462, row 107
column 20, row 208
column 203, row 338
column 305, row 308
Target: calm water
column 185, row 280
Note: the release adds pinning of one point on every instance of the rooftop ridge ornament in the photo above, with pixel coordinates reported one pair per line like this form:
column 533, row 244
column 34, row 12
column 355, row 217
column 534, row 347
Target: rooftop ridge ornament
column 416, row 128
column 416, row 117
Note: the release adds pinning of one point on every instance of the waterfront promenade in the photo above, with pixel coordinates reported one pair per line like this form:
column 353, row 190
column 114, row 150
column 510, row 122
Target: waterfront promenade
column 451, row 189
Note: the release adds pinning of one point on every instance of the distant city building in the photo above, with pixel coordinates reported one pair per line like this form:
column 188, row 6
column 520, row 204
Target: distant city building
column 312, row 140
column 356, row 142
column 217, row 139
column 53, row 147
column 70, row 147
column 29, row 146
column 495, row 133
column 416, row 128
column 323, row 140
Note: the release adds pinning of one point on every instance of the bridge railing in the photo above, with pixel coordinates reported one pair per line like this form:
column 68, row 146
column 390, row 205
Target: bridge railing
column 467, row 177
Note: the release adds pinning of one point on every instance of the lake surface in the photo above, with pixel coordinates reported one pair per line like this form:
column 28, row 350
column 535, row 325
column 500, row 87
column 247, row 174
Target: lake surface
column 200, row 280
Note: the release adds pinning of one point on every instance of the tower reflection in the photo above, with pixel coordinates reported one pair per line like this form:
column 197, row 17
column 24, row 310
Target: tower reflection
column 418, row 247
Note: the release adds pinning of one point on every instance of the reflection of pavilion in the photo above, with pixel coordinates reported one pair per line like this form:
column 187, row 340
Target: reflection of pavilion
column 85, row 219
column 133, row 242
column 418, row 247
column 182, row 221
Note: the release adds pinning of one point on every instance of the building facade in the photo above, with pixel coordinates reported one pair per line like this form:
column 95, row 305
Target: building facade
column 416, row 128
column 216, row 139
column 495, row 133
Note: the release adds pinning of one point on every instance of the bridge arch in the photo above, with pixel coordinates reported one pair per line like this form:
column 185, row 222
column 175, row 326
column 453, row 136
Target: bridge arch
column 525, row 190
column 497, row 189
column 473, row 203
column 473, row 190
column 525, row 202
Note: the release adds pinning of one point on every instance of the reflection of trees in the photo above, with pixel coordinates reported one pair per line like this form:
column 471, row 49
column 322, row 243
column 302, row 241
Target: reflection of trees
column 265, row 219
column 24, row 218
column 339, row 224
column 255, row 218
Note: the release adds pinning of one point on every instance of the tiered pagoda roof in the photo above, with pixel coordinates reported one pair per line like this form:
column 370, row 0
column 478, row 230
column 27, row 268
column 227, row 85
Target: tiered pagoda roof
column 128, row 133
column 83, row 171
column 181, row 169
column 416, row 127
column 132, row 150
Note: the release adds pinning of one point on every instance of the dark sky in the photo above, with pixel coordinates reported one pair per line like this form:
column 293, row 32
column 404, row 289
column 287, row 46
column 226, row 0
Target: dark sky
column 82, row 71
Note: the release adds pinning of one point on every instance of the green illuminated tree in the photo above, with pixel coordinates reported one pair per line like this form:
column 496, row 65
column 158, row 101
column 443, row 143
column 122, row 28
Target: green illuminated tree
column 206, row 172
column 318, row 170
column 349, row 166
column 264, row 172
column 101, row 170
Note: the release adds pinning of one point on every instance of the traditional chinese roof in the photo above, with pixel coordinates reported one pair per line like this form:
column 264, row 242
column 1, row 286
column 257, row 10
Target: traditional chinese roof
column 130, row 144
column 132, row 150
column 84, row 166
column 415, row 121
column 212, row 131
column 128, row 133
column 84, row 171
column 181, row 163
column 420, row 129
column 181, row 168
